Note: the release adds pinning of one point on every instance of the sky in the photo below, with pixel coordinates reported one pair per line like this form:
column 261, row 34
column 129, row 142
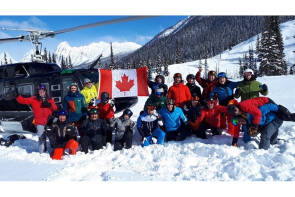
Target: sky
column 138, row 31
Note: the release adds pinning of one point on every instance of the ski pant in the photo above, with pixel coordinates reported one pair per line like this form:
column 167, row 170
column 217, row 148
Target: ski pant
column 42, row 138
column 157, row 133
column 269, row 133
column 94, row 143
column 71, row 147
column 201, row 132
column 246, row 137
column 127, row 139
column 178, row 135
column 109, row 132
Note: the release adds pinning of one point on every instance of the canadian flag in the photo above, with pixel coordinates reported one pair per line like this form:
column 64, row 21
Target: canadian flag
column 123, row 82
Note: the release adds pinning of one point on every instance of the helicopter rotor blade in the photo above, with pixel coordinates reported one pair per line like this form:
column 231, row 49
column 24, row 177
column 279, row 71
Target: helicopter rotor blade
column 119, row 20
column 20, row 38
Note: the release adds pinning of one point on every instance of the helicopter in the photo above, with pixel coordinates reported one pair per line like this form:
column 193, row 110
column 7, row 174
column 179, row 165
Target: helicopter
column 26, row 76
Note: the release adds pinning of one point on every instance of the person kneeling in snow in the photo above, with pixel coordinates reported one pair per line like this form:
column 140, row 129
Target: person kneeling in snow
column 260, row 115
column 94, row 132
column 175, row 121
column 123, row 127
column 209, row 119
column 62, row 137
column 148, row 125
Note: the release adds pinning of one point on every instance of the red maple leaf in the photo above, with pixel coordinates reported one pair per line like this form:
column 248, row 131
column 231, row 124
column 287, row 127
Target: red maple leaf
column 125, row 85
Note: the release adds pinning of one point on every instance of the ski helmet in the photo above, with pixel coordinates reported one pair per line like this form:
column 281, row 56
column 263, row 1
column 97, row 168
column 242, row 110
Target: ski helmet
column 105, row 96
column 190, row 76
column 222, row 74
column 73, row 84
column 177, row 75
column 86, row 80
column 232, row 109
column 128, row 112
column 212, row 72
column 93, row 111
column 248, row 70
column 42, row 87
column 209, row 100
column 62, row 113
column 170, row 101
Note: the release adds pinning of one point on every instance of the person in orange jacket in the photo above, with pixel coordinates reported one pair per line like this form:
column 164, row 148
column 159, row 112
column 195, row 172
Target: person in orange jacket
column 42, row 106
column 179, row 92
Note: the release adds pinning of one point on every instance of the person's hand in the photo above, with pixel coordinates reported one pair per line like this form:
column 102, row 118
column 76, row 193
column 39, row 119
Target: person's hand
column 154, row 140
column 253, row 130
column 112, row 102
column 160, row 122
column 264, row 87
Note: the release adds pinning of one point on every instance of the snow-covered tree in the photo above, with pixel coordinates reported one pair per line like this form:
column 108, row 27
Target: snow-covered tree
column 271, row 50
column 112, row 64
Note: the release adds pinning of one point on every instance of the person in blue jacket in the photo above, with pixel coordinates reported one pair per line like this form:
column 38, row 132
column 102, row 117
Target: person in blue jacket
column 74, row 104
column 148, row 125
column 175, row 122
column 223, row 91
column 270, row 117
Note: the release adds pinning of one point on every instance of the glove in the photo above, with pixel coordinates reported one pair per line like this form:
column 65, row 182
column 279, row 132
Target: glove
column 160, row 122
column 91, row 103
column 45, row 104
column 112, row 103
column 238, row 92
column 185, row 108
column 143, row 139
column 154, row 140
column 264, row 87
column 253, row 130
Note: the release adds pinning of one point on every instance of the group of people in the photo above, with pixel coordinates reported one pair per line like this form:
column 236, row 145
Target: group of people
column 169, row 114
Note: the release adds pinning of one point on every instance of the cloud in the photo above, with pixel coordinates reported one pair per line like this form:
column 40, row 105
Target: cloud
column 142, row 39
column 32, row 23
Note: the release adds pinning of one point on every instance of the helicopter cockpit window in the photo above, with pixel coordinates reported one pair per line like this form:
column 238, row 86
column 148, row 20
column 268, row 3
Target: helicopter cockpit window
column 21, row 71
column 26, row 90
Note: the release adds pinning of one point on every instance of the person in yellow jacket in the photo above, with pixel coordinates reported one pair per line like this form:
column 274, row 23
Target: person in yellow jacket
column 89, row 91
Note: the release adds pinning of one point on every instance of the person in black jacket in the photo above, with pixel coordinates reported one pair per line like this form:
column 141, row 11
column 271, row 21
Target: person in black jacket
column 158, row 83
column 62, row 136
column 191, row 84
column 94, row 132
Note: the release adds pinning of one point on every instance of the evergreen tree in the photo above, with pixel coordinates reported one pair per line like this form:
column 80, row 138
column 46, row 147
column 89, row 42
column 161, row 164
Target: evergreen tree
column 44, row 56
column 49, row 58
column 10, row 61
column 62, row 63
column 112, row 64
column 251, row 59
column 158, row 64
column 177, row 53
column 70, row 62
column 5, row 59
column 53, row 58
column 272, row 50
column 257, row 45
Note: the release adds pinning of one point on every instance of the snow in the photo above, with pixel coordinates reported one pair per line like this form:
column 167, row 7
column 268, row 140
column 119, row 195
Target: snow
column 194, row 159
column 8, row 57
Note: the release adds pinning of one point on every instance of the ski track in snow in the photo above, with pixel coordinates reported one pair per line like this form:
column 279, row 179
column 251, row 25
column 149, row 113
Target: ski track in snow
column 194, row 159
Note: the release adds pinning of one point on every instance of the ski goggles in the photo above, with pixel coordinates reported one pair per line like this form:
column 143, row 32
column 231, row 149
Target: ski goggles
column 41, row 87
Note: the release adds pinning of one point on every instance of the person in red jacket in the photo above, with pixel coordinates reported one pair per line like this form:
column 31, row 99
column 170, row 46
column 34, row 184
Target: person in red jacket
column 42, row 106
column 106, row 112
column 209, row 119
column 179, row 92
column 207, row 84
